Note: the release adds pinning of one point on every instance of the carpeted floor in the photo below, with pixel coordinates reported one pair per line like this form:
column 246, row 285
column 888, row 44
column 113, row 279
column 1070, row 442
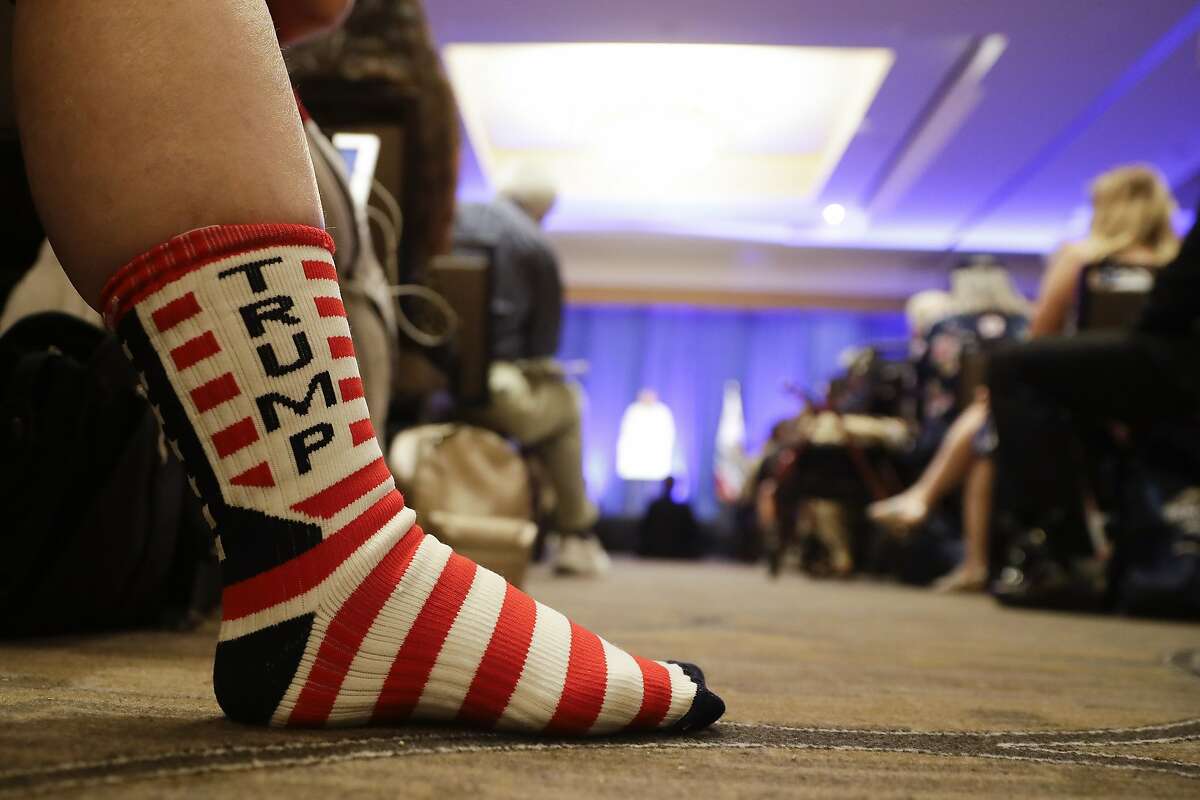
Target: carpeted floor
column 834, row 689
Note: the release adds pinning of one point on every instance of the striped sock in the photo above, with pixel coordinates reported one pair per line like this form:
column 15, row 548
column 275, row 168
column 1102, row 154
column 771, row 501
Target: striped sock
column 337, row 608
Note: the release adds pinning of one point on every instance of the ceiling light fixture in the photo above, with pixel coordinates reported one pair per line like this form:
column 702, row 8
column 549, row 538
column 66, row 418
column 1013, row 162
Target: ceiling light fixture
column 642, row 130
column 834, row 214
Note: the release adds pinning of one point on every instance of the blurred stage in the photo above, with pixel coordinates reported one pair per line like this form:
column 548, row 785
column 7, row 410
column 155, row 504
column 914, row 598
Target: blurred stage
column 832, row 689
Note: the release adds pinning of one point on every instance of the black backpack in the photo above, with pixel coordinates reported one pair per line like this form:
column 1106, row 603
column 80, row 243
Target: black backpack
column 97, row 525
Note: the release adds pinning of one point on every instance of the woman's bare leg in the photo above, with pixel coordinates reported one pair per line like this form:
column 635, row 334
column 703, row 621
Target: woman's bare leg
column 144, row 119
column 947, row 470
column 971, row 574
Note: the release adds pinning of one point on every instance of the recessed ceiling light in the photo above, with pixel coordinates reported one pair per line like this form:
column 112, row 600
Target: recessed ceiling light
column 653, row 129
column 834, row 214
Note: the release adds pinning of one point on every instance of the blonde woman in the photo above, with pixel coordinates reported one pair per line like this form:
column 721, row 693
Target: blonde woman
column 1131, row 225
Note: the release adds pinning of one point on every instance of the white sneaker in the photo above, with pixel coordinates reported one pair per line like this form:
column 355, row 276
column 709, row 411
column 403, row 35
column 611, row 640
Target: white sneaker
column 552, row 548
column 601, row 563
column 583, row 556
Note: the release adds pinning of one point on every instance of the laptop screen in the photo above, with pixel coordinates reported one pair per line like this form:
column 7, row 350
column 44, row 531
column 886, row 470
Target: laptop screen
column 360, row 152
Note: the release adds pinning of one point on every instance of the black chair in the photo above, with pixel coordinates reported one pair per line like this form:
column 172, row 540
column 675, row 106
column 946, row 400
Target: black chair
column 1111, row 296
column 464, row 279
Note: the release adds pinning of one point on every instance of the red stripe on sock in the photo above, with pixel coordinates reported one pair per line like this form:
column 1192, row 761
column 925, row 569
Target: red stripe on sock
column 341, row 347
column 235, row 437
column 328, row 502
column 215, row 392
column 656, row 694
column 170, row 261
column 503, row 660
column 319, row 271
column 346, row 632
column 351, row 388
column 193, row 351
column 330, row 307
column 362, row 431
column 583, row 692
column 259, row 475
column 302, row 573
column 410, row 671
column 176, row 312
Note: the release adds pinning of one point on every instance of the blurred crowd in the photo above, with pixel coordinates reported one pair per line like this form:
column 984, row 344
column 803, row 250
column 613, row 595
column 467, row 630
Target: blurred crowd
column 1047, row 452
column 1044, row 450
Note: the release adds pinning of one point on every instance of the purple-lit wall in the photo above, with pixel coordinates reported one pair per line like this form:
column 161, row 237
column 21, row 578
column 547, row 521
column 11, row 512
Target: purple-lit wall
column 686, row 355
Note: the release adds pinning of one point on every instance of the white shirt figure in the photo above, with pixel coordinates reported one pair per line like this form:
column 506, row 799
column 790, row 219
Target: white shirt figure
column 646, row 440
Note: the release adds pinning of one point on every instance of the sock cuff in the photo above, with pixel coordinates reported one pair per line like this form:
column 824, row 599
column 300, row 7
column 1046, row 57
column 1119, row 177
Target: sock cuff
column 190, row 251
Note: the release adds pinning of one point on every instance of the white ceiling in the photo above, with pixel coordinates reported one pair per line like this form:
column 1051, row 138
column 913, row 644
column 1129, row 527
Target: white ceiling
column 961, row 148
column 656, row 131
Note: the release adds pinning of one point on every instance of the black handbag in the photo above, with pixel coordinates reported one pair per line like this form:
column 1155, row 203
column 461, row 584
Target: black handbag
column 98, row 527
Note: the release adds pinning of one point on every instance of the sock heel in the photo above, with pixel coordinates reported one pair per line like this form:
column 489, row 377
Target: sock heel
column 252, row 673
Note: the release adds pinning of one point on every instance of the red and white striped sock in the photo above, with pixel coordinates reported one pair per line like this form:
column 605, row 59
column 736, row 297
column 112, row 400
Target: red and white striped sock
column 337, row 608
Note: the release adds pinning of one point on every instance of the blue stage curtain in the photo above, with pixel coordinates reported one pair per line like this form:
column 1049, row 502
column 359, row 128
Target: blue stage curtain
column 687, row 355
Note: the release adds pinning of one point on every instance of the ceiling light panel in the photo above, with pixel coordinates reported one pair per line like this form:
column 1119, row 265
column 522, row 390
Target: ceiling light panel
column 665, row 126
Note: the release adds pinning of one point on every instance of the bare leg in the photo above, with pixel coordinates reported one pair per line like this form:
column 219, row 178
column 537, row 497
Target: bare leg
column 157, row 116
column 947, row 470
column 971, row 574
column 833, row 529
column 145, row 119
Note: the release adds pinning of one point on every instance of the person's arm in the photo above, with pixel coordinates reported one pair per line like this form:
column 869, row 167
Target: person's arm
column 1058, row 291
column 297, row 20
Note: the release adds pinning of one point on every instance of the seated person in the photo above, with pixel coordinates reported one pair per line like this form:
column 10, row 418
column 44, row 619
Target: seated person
column 337, row 609
column 1145, row 378
column 981, row 310
column 1131, row 224
column 530, row 398
column 668, row 529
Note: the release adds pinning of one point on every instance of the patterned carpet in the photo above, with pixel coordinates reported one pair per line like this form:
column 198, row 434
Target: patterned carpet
column 840, row 689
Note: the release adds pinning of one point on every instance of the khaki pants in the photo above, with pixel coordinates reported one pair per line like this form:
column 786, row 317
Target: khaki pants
column 536, row 405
